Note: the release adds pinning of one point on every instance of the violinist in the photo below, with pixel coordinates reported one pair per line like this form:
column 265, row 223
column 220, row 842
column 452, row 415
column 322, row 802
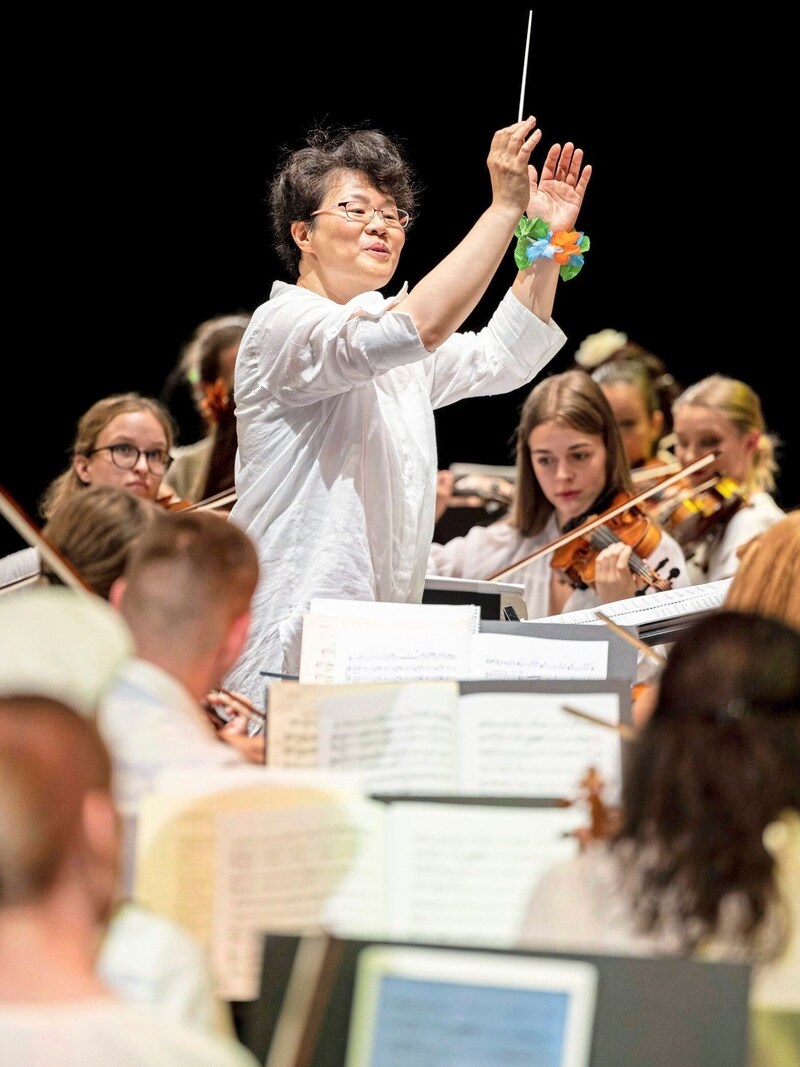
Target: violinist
column 631, row 392
column 185, row 594
column 724, row 415
column 123, row 440
column 570, row 465
column 608, row 349
column 204, row 466
column 703, row 861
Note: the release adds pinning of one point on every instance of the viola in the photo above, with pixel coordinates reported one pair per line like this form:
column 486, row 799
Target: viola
column 576, row 559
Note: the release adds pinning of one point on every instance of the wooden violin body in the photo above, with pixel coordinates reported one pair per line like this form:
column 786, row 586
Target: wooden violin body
column 691, row 513
column 628, row 505
column 603, row 818
column 576, row 559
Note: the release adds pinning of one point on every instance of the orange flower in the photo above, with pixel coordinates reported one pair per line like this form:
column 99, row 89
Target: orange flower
column 567, row 241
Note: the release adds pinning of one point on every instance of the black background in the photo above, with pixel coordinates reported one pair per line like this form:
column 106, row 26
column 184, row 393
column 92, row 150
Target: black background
column 139, row 183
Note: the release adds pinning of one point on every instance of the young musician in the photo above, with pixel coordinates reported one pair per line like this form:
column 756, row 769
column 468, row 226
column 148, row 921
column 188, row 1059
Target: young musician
column 706, row 858
column 570, row 465
column 123, row 440
column 185, row 595
column 724, row 415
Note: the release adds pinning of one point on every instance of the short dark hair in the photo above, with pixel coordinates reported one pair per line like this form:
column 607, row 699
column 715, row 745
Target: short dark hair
column 303, row 177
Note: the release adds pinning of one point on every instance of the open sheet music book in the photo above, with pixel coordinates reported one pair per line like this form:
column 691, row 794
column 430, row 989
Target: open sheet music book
column 232, row 865
column 479, row 738
column 361, row 641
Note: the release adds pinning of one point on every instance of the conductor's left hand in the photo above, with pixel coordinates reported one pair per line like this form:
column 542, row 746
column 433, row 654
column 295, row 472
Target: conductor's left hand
column 557, row 196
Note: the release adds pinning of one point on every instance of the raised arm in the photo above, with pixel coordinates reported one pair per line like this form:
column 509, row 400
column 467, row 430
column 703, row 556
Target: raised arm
column 556, row 199
column 443, row 299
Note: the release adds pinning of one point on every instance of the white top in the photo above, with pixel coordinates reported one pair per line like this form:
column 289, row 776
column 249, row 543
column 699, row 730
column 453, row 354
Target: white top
column 151, row 723
column 104, row 1032
column 336, row 468
column 149, row 958
column 26, row 563
column 716, row 557
column 485, row 550
column 577, row 906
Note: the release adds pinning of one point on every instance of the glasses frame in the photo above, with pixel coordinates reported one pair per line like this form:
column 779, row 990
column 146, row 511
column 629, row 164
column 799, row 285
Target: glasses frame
column 375, row 211
column 147, row 453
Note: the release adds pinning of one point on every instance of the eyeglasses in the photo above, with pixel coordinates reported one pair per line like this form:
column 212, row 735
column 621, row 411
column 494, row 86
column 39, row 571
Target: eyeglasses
column 358, row 211
column 125, row 457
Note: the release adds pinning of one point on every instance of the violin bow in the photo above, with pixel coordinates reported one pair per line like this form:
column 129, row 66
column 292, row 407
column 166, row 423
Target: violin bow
column 646, row 474
column 606, row 516
column 24, row 525
column 651, row 653
column 218, row 500
column 626, row 732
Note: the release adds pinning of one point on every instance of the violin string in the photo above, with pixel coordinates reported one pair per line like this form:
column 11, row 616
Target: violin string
column 602, row 537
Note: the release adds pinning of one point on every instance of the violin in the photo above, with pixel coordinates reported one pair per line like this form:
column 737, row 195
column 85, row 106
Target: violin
column 624, row 522
column 170, row 501
column 576, row 559
column 219, row 501
column 690, row 514
column 603, row 818
column 652, row 472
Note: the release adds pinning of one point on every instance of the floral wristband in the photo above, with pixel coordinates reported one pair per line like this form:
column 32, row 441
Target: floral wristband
column 536, row 239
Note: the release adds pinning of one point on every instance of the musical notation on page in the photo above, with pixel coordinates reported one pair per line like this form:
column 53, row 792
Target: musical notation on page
column 671, row 604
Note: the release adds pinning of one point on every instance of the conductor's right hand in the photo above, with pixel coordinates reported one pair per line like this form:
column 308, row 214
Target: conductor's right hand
column 508, row 160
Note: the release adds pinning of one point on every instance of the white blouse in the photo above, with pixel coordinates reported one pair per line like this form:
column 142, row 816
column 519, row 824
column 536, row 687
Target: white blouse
column 336, row 468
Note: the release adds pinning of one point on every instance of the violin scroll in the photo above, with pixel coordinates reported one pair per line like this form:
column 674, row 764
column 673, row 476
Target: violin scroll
column 603, row 817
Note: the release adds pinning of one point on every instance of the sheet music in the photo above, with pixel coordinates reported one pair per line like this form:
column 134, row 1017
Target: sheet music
column 401, row 739
column 428, row 738
column 523, row 744
column 374, row 649
column 275, row 870
column 513, row 657
column 464, row 872
column 178, row 836
column 293, row 717
column 669, row 604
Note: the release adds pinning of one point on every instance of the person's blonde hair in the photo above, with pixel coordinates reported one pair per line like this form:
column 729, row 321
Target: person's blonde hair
column 90, row 426
column 741, row 404
column 767, row 580
column 95, row 529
